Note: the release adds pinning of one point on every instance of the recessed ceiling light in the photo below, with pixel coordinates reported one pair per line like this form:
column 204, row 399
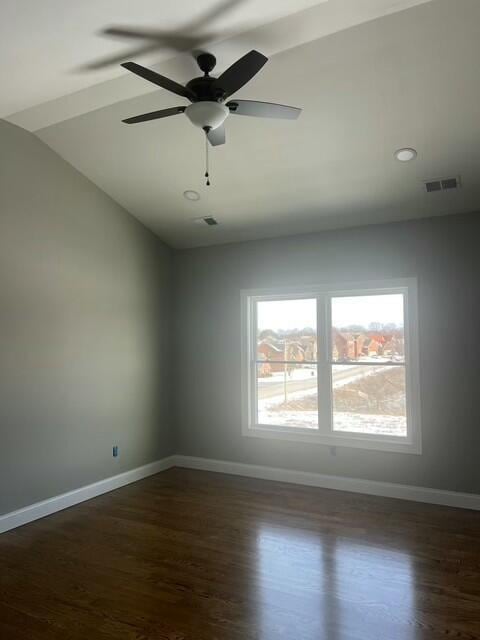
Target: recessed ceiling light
column 189, row 194
column 405, row 155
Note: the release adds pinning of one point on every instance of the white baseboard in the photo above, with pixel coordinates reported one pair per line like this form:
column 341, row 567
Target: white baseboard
column 57, row 503
column 369, row 487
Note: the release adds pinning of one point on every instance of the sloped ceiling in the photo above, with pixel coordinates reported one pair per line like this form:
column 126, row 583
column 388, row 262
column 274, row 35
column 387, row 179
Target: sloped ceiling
column 370, row 76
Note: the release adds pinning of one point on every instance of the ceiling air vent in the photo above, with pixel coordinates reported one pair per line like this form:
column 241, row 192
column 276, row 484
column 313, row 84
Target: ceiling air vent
column 442, row 184
column 450, row 183
column 210, row 221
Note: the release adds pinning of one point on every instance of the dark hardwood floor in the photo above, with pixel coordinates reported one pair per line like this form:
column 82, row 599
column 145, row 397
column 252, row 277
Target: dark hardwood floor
column 203, row 556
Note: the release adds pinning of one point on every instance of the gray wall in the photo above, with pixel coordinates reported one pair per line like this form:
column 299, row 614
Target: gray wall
column 85, row 340
column 442, row 252
column 84, row 329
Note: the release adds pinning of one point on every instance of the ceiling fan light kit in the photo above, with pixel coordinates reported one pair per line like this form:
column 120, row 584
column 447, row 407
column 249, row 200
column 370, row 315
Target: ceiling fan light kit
column 207, row 95
column 207, row 115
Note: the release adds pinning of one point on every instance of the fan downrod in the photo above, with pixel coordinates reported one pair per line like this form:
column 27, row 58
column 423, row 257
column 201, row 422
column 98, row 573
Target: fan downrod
column 206, row 62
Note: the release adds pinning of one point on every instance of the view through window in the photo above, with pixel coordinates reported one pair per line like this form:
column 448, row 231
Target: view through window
column 287, row 389
column 368, row 364
column 331, row 362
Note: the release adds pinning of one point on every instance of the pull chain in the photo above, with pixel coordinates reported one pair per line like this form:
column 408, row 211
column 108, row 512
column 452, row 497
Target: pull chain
column 207, row 175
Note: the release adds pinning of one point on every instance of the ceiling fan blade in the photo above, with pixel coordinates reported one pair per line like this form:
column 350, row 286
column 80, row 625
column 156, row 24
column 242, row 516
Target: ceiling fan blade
column 179, row 44
column 125, row 32
column 240, row 72
column 190, row 38
column 118, row 58
column 161, row 81
column 170, row 38
column 211, row 15
column 155, row 115
column 263, row 109
column 175, row 40
column 216, row 136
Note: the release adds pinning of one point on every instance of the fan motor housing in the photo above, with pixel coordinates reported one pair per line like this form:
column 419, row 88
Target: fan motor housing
column 204, row 89
column 206, row 62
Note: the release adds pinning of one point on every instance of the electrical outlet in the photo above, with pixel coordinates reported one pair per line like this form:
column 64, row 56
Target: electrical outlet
column 115, row 451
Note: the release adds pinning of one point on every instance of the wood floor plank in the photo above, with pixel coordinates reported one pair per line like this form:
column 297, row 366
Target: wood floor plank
column 190, row 555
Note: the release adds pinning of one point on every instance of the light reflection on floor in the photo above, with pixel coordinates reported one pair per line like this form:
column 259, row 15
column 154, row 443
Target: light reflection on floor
column 311, row 586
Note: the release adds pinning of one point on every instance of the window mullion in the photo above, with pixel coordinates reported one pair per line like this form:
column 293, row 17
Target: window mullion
column 323, row 367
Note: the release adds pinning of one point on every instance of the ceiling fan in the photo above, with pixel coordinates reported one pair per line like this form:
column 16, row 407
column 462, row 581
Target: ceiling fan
column 208, row 95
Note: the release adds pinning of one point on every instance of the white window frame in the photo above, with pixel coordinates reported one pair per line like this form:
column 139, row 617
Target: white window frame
column 325, row 435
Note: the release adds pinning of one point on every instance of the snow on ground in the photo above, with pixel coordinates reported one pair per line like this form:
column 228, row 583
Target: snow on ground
column 301, row 419
column 343, row 421
column 276, row 401
column 340, row 378
column 270, row 413
column 370, row 423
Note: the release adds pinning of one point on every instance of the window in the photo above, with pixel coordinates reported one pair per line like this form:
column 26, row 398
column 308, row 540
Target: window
column 336, row 365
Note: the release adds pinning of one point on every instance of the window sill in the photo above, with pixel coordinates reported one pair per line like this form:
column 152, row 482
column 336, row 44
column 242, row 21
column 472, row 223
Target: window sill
column 372, row 443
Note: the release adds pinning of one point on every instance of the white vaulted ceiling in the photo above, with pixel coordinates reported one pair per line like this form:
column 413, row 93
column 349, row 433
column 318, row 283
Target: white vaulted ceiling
column 46, row 45
column 371, row 76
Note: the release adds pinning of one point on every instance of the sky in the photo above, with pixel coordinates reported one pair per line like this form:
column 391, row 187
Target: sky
column 361, row 310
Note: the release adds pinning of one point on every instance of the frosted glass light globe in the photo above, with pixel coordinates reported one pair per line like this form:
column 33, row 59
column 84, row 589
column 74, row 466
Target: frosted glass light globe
column 207, row 114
